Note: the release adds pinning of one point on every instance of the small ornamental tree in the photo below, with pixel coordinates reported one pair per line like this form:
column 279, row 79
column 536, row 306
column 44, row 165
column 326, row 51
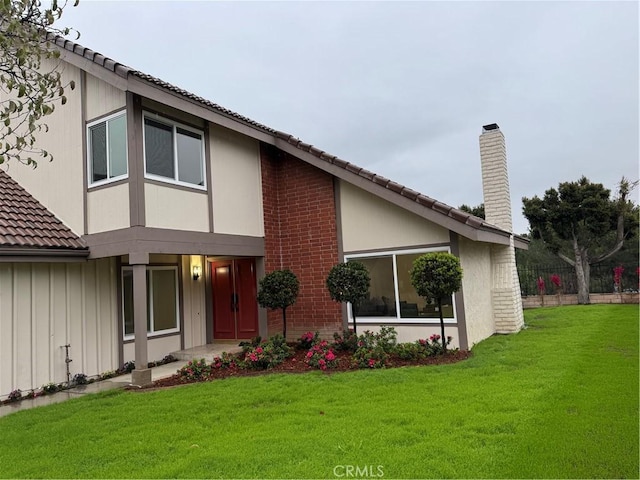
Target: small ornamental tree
column 349, row 282
column 279, row 289
column 435, row 276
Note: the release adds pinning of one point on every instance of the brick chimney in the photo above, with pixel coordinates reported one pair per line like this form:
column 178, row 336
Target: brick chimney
column 505, row 284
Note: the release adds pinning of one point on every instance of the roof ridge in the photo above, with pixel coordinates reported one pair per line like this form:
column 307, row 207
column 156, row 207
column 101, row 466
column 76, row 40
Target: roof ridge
column 424, row 200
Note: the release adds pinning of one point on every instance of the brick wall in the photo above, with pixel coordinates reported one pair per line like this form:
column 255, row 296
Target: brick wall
column 301, row 235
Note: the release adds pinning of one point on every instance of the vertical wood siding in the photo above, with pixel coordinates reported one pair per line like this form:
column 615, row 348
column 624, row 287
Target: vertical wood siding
column 44, row 306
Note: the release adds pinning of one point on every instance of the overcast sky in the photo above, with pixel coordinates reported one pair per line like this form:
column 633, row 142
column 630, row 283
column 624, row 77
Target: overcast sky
column 403, row 89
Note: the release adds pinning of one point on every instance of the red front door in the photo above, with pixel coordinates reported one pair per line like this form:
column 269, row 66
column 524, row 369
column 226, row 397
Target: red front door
column 235, row 309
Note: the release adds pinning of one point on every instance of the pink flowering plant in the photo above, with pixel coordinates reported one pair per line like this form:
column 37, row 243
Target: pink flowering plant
column 195, row 370
column 433, row 345
column 345, row 341
column 373, row 349
column 226, row 361
column 557, row 282
column 321, row 356
column 307, row 340
column 267, row 354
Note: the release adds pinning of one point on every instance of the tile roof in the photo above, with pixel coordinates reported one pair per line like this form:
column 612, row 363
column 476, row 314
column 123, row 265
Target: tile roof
column 423, row 200
column 26, row 223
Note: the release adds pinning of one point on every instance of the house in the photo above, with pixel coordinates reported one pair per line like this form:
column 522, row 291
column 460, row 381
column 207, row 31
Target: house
column 149, row 233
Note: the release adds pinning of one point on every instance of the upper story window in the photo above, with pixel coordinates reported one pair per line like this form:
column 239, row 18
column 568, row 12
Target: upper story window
column 173, row 152
column 107, row 149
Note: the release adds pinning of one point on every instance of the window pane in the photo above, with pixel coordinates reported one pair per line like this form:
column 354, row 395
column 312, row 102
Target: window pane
column 164, row 299
column 382, row 298
column 190, row 164
column 118, row 146
column 98, row 135
column 158, row 144
column 411, row 305
column 127, row 300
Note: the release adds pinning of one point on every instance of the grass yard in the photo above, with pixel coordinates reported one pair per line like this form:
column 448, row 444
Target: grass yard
column 558, row 400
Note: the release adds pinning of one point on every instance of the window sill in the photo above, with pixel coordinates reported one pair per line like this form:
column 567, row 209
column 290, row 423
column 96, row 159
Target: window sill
column 153, row 335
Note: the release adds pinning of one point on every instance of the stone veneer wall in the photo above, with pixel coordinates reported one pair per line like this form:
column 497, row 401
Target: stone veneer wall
column 301, row 235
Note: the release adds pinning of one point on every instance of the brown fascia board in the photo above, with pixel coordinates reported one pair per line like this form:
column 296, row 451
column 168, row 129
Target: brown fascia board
column 379, row 186
column 159, row 240
column 178, row 101
column 42, row 255
column 521, row 242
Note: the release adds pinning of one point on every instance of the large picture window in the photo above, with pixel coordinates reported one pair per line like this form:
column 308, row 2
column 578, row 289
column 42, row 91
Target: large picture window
column 391, row 294
column 173, row 152
column 107, row 149
column 162, row 301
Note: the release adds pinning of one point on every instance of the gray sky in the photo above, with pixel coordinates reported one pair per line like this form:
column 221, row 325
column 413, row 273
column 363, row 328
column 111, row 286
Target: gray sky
column 403, row 89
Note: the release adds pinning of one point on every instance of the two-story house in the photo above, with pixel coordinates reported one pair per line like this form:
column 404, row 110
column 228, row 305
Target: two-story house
column 150, row 230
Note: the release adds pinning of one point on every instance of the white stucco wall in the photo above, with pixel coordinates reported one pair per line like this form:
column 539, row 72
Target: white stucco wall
column 370, row 223
column 475, row 259
column 237, row 184
column 44, row 306
column 194, row 301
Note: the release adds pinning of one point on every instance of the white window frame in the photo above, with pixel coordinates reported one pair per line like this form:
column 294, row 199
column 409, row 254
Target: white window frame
column 109, row 179
column 152, row 333
column 174, row 125
column 397, row 318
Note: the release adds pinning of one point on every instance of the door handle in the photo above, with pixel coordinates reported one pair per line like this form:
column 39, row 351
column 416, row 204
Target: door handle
column 234, row 302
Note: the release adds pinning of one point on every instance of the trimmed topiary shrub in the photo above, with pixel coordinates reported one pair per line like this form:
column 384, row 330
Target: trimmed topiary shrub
column 435, row 276
column 279, row 289
column 349, row 282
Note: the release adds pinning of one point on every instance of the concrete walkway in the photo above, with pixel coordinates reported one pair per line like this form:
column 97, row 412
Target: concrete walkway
column 163, row 371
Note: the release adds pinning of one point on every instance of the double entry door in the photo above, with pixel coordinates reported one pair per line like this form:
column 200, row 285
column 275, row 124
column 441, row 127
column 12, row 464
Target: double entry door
column 235, row 306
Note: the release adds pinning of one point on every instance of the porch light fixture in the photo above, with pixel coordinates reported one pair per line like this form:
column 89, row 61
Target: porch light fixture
column 196, row 272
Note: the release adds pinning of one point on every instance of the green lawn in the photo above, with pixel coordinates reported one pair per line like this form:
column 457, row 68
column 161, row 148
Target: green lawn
column 558, row 400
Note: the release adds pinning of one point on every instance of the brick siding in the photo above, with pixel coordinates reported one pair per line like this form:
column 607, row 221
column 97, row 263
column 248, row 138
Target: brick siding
column 301, row 235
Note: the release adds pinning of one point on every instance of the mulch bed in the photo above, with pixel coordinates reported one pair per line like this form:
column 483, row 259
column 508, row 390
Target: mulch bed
column 296, row 364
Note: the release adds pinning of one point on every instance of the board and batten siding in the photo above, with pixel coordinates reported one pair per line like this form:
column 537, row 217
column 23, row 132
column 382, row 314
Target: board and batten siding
column 237, row 183
column 44, row 306
column 475, row 260
column 59, row 184
column 102, row 98
column 370, row 223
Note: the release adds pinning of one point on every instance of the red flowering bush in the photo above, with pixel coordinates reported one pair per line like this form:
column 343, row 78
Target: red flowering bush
column 195, row 370
column 557, row 282
column 267, row 354
column 321, row 356
column 227, row 360
column 307, row 340
column 347, row 342
column 617, row 277
column 433, row 345
column 541, row 287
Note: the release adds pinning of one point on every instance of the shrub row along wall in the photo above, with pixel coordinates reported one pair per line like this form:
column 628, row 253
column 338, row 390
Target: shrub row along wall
column 301, row 235
column 534, row 301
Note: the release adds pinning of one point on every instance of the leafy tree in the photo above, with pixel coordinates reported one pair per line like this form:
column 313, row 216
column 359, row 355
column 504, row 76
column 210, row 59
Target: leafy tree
column 28, row 90
column 436, row 276
column 279, row 289
column 349, row 282
column 478, row 210
column 582, row 225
